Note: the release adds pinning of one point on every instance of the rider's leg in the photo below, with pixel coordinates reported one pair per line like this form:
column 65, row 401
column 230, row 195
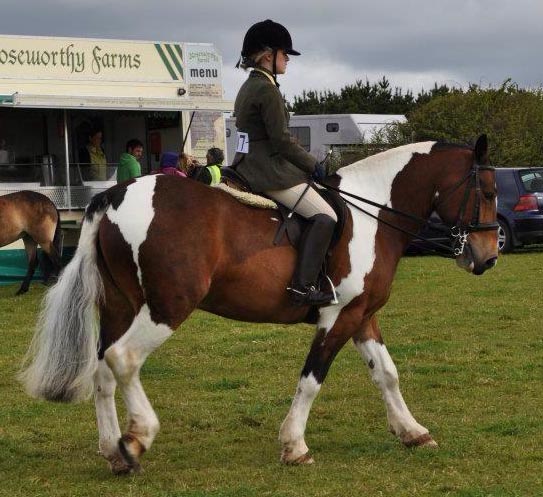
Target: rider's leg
column 313, row 244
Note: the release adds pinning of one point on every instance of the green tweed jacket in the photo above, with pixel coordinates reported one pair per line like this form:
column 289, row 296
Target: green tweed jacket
column 274, row 160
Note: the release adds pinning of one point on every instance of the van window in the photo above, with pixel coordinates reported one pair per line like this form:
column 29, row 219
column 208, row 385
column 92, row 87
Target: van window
column 302, row 135
column 332, row 127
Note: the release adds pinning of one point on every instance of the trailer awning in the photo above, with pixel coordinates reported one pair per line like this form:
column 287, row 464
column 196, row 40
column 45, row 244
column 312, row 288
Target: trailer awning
column 25, row 100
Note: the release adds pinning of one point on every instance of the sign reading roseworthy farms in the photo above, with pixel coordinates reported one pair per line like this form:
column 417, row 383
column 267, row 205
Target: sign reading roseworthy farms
column 92, row 60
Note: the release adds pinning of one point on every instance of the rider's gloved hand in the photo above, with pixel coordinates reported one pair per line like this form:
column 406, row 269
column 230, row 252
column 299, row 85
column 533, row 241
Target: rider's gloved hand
column 319, row 172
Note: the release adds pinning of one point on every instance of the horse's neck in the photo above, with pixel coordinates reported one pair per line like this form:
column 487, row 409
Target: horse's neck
column 378, row 178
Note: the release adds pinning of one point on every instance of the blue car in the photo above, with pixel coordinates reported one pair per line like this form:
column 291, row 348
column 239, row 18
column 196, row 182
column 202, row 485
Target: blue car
column 520, row 212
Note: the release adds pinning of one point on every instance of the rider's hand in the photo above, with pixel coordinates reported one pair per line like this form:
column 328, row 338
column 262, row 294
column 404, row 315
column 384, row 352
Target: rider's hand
column 319, row 172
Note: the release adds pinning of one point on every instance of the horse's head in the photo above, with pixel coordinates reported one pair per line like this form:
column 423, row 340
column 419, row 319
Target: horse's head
column 467, row 201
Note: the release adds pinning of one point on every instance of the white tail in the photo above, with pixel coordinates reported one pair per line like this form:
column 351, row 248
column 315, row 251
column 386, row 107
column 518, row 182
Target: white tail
column 62, row 357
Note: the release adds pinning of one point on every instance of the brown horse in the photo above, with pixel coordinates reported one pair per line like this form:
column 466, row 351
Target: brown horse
column 34, row 218
column 147, row 266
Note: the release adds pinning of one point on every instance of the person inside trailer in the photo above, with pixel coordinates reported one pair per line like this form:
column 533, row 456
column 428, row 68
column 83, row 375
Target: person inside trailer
column 93, row 154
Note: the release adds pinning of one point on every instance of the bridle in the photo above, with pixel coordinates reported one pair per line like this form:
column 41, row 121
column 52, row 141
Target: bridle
column 459, row 232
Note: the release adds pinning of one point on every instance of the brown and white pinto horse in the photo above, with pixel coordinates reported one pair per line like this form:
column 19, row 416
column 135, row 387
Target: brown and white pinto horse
column 154, row 249
column 34, row 218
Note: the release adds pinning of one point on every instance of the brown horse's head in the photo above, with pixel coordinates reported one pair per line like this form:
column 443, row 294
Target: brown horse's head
column 467, row 200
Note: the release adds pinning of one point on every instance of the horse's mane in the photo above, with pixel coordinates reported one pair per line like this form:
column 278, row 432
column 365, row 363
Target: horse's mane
column 376, row 159
column 380, row 158
column 449, row 145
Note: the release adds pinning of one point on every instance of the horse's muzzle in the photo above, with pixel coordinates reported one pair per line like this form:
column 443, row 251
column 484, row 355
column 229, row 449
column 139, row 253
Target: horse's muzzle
column 473, row 264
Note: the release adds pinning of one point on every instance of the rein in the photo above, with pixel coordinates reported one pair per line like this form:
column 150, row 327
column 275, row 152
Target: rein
column 459, row 232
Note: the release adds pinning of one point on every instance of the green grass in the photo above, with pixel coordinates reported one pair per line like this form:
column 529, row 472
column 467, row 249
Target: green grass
column 469, row 354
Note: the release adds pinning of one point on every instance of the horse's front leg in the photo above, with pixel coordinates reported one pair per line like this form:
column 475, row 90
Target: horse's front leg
column 324, row 348
column 384, row 374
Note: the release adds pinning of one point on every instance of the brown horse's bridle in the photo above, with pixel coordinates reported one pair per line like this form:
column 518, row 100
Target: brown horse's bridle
column 461, row 229
column 459, row 232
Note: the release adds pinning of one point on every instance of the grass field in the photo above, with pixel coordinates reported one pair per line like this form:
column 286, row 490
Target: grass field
column 469, row 354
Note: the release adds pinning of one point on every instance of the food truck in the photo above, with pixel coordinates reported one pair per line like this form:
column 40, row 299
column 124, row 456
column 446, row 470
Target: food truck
column 55, row 92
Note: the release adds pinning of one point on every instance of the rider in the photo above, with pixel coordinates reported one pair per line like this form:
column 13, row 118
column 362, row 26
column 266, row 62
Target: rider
column 272, row 162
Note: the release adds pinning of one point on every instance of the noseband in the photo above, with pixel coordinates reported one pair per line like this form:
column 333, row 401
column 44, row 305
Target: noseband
column 461, row 230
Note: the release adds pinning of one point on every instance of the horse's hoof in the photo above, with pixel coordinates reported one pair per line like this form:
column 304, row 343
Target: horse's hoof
column 119, row 466
column 128, row 454
column 425, row 440
column 286, row 458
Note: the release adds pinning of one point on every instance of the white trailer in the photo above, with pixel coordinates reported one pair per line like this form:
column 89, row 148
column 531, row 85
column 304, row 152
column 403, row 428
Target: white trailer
column 322, row 132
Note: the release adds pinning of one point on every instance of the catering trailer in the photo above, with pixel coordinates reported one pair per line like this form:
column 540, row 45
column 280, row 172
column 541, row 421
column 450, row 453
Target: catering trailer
column 54, row 92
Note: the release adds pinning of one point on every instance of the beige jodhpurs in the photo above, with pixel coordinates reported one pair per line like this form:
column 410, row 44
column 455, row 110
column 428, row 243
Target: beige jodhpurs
column 310, row 205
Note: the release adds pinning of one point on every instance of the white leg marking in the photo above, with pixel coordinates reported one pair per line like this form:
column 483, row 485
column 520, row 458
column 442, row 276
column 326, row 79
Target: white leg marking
column 106, row 411
column 134, row 215
column 291, row 434
column 384, row 374
column 125, row 357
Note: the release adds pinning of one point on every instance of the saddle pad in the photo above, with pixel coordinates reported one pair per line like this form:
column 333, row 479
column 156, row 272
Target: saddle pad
column 248, row 198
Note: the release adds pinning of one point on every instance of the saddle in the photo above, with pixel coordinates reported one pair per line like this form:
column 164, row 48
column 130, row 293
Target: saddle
column 292, row 226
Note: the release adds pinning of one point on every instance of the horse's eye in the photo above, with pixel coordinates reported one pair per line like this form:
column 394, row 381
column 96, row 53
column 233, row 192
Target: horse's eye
column 490, row 195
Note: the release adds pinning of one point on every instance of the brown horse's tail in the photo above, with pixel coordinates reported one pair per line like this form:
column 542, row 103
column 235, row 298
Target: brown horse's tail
column 62, row 358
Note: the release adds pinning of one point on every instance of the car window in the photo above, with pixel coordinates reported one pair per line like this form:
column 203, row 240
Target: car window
column 507, row 188
column 532, row 180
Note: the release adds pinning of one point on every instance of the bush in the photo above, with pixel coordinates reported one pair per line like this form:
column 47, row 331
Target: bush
column 511, row 117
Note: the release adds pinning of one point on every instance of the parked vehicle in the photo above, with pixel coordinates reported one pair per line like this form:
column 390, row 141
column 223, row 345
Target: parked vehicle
column 520, row 207
column 520, row 212
column 318, row 134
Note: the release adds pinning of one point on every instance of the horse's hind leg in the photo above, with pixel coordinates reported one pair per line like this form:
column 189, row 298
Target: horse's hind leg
column 31, row 248
column 125, row 358
column 384, row 374
column 106, row 418
column 116, row 315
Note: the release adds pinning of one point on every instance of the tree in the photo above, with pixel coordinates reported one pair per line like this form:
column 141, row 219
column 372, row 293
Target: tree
column 358, row 98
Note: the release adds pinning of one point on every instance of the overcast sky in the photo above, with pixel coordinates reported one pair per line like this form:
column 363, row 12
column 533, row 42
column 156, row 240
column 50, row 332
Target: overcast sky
column 414, row 43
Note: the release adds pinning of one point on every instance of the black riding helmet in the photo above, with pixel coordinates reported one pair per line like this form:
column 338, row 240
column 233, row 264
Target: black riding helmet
column 262, row 36
column 267, row 34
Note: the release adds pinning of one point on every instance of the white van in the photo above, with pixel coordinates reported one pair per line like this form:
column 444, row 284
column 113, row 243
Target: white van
column 322, row 132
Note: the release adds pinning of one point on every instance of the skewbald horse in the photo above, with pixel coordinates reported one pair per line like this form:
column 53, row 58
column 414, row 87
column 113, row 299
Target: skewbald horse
column 221, row 258
column 34, row 218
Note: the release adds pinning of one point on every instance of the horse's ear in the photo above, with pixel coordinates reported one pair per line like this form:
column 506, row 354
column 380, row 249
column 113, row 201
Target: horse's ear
column 481, row 150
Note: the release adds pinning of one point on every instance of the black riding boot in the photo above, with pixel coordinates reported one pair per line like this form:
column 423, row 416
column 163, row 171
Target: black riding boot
column 311, row 253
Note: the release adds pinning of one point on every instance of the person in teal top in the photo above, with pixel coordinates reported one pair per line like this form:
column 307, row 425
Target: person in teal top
column 129, row 167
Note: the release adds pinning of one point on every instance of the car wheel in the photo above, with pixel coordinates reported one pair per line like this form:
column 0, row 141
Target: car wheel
column 505, row 244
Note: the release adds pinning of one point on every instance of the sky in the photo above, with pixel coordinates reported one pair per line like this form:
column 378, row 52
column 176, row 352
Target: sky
column 413, row 43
